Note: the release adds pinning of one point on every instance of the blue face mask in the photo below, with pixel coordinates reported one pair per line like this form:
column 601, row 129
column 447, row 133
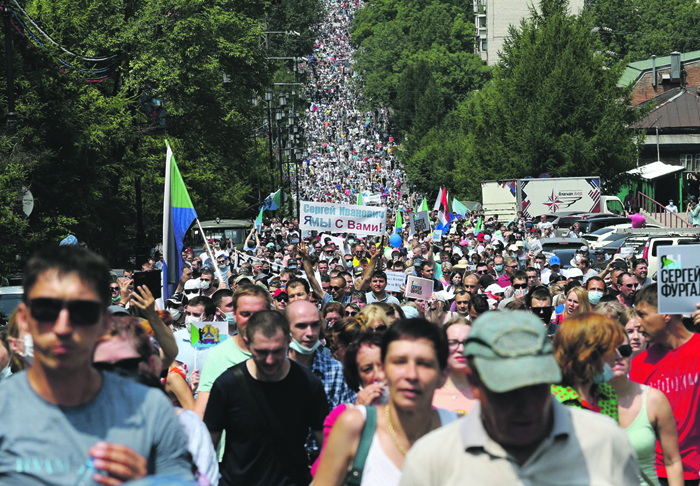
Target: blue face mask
column 604, row 376
column 498, row 268
column 594, row 296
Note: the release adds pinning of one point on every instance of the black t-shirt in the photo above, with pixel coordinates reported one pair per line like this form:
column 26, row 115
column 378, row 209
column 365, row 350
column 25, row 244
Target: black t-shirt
column 293, row 405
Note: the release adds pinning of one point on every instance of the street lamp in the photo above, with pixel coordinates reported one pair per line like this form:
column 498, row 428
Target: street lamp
column 282, row 101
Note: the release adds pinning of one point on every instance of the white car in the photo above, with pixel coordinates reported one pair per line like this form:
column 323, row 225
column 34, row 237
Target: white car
column 603, row 236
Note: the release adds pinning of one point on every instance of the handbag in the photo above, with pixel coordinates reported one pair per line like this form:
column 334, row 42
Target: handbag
column 278, row 445
column 354, row 477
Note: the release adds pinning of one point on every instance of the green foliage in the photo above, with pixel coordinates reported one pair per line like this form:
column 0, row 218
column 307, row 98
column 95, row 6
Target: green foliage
column 553, row 106
column 636, row 29
column 92, row 150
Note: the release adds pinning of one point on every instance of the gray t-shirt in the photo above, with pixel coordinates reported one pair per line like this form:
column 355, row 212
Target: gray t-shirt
column 42, row 443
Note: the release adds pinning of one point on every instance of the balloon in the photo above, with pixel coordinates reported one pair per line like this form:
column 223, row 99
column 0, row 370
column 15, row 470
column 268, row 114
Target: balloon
column 395, row 240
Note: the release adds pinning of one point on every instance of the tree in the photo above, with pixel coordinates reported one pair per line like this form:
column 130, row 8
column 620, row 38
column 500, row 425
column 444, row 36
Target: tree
column 636, row 29
column 552, row 107
column 96, row 146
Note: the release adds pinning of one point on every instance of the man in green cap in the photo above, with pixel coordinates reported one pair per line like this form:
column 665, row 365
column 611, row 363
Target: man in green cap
column 517, row 434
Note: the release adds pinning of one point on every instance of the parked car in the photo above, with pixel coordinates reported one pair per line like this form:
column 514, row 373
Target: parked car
column 591, row 225
column 10, row 297
column 553, row 244
column 603, row 236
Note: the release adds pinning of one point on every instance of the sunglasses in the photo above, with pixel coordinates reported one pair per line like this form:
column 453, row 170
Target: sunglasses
column 192, row 291
column 454, row 344
column 379, row 328
column 282, row 299
column 625, row 350
column 520, row 286
column 483, row 272
column 82, row 312
column 632, row 286
column 333, row 287
column 114, row 289
column 351, row 314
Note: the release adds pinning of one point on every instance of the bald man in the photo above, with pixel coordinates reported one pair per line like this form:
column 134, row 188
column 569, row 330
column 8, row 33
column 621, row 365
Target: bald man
column 305, row 324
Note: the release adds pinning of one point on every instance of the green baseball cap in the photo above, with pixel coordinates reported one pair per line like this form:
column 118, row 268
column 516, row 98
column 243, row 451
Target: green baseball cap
column 511, row 350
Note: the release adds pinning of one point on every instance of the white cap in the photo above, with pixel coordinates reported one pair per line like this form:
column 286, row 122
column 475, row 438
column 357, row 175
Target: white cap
column 513, row 248
column 193, row 283
column 574, row 272
column 494, row 288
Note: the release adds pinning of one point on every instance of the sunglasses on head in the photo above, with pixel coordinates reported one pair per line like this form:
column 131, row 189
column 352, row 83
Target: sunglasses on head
column 82, row 312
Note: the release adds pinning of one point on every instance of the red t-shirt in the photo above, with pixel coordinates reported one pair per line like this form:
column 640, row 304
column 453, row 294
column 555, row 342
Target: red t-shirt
column 676, row 373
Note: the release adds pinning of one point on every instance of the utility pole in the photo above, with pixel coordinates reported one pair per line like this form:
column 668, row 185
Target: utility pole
column 11, row 113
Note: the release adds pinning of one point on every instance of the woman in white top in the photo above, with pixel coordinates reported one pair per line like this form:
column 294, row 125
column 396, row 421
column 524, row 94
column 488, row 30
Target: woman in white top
column 414, row 356
column 646, row 416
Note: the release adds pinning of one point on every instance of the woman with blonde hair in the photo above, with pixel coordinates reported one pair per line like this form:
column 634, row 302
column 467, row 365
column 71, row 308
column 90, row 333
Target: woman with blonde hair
column 576, row 302
column 586, row 346
column 345, row 332
column 376, row 317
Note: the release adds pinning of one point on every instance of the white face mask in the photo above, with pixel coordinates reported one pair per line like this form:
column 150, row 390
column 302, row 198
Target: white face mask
column 28, row 354
column 205, row 284
column 191, row 319
column 175, row 314
column 303, row 349
column 5, row 373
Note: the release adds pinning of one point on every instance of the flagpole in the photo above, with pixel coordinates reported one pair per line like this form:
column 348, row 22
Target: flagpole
column 211, row 256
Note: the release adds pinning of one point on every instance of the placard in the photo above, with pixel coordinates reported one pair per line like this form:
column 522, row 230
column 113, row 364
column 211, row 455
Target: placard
column 437, row 235
column 342, row 218
column 419, row 288
column 678, row 278
column 420, row 221
column 394, row 281
column 208, row 334
column 627, row 251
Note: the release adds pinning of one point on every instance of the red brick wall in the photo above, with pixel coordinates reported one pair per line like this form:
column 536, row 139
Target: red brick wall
column 644, row 90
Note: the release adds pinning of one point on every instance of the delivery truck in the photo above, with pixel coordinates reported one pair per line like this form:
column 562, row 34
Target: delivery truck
column 550, row 195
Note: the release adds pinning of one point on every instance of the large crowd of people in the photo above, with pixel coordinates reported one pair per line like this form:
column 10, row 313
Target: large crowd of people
column 303, row 357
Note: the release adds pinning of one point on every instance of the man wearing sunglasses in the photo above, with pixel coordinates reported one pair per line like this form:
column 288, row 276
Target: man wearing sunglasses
column 516, row 291
column 628, row 285
column 66, row 412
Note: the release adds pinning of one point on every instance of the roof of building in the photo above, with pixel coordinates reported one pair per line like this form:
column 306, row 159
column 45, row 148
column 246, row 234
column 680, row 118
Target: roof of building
column 655, row 170
column 635, row 70
column 676, row 108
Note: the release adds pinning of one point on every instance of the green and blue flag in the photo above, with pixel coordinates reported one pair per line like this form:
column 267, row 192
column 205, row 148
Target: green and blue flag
column 178, row 215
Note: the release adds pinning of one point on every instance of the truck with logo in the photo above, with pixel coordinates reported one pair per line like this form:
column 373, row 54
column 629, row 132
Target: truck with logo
column 546, row 195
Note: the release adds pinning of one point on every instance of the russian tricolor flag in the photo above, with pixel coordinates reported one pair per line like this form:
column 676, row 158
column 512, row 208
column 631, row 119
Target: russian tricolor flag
column 178, row 214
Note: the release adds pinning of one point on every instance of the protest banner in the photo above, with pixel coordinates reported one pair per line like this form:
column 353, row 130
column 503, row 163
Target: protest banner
column 679, row 279
column 342, row 218
column 372, row 199
column 437, row 235
column 394, row 281
column 420, row 221
column 208, row 334
column 419, row 288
